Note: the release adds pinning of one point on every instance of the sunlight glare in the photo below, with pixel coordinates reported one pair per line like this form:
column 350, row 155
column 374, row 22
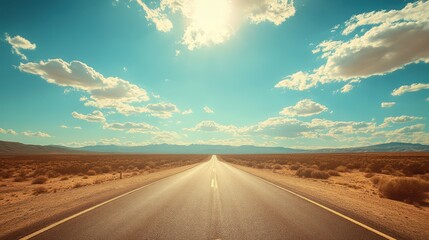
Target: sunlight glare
column 212, row 15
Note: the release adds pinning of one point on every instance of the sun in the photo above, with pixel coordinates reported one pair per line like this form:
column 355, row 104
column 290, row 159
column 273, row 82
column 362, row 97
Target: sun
column 212, row 16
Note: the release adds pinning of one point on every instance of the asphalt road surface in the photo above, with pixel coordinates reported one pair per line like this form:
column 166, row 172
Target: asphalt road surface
column 210, row 201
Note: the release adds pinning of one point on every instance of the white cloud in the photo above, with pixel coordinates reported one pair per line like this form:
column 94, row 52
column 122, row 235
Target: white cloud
column 346, row 88
column 209, row 22
column 399, row 119
column 36, row 134
column 393, row 40
column 7, row 131
column 412, row 134
column 19, row 43
column 387, row 104
column 130, row 127
column 410, row 88
column 208, row 110
column 67, row 127
column 177, row 53
column 95, row 116
column 105, row 92
column 157, row 16
column 212, row 126
column 189, row 111
column 304, row 108
column 162, row 110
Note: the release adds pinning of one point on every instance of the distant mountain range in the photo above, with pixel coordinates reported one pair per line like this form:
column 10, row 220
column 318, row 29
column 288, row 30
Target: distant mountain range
column 20, row 148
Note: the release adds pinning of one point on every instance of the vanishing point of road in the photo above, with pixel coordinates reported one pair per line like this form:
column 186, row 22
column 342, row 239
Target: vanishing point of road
column 213, row 200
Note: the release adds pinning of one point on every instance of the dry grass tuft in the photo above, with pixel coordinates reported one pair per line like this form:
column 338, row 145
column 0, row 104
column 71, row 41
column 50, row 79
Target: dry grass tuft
column 407, row 189
column 312, row 173
column 40, row 180
column 39, row 190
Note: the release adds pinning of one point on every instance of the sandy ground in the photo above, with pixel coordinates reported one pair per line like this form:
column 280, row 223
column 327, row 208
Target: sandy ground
column 355, row 195
column 22, row 210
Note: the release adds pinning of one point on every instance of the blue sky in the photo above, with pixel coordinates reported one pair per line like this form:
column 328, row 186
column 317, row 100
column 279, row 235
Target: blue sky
column 304, row 74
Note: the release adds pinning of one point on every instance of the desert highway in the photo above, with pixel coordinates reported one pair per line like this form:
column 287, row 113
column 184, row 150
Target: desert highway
column 213, row 200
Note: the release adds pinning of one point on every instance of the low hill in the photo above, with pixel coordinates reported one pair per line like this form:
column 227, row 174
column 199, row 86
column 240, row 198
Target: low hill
column 20, row 148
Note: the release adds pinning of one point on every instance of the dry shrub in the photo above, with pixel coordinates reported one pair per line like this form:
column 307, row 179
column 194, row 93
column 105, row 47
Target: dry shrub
column 39, row 190
column 341, row 168
column 40, row 180
column 6, row 174
column 369, row 175
column 19, row 179
column 333, row 173
column 91, row 172
column 78, row 185
column 312, row 173
column 407, row 189
column 375, row 179
column 294, row 167
column 64, row 178
column 106, row 169
column 277, row 166
column 97, row 181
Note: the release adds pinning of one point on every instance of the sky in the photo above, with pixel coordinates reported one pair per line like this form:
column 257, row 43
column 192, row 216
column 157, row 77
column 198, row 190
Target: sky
column 301, row 74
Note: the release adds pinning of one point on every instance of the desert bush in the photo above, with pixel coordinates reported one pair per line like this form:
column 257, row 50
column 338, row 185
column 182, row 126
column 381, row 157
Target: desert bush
column 319, row 174
column 40, row 180
column 91, row 172
column 19, row 179
column 39, row 190
column 106, row 169
column 369, row 175
column 277, row 166
column 311, row 173
column 333, row 173
column 64, row 178
column 78, row 185
column 6, row 174
column 407, row 189
column 53, row 174
column 294, row 167
column 341, row 168
column 375, row 179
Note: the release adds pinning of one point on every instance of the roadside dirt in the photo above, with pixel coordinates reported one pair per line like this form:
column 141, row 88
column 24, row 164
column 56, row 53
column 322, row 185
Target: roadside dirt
column 25, row 213
column 355, row 195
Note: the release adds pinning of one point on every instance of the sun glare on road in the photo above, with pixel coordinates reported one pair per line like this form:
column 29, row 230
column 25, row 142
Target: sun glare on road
column 212, row 16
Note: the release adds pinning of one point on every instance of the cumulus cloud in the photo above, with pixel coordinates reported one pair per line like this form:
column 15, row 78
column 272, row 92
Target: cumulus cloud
column 387, row 104
column 412, row 134
column 399, row 119
column 410, row 88
column 304, row 108
column 208, row 110
column 95, row 116
column 7, row 131
column 212, row 126
column 36, row 134
column 189, row 111
column 393, row 40
column 162, row 110
column 130, row 127
column 105, row 92
column 19, row 43
column 209, row 22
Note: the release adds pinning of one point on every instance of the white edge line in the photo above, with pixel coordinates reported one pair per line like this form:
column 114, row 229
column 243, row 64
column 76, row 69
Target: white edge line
column 92, row 208
column 326, row 208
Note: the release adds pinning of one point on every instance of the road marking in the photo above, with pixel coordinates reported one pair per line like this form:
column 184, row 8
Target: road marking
column 331, row 210
column 94, row 207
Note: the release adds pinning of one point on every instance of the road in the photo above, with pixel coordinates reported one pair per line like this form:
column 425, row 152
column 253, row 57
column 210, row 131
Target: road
column 210, row 201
